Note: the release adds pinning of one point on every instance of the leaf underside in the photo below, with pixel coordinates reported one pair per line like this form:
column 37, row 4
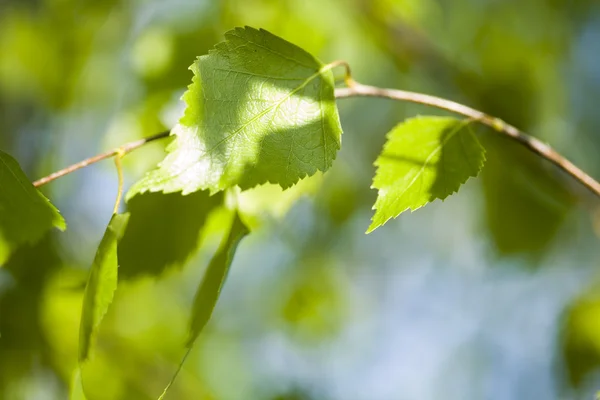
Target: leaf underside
column 259, row 110
column 163, row 231
column 25, row 214
column 424, row 158
column 101, row 285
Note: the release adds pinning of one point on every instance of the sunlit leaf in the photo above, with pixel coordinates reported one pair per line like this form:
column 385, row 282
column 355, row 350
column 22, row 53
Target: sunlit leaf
column 163, row 231
column 214, row 278
column 101, row 285
column 424, row 159
column 259, row 109
column 25, row 214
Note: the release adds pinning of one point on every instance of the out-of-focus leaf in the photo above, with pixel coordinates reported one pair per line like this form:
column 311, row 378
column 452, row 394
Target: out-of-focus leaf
column 25, row 214
column 313, row 303
column 525, row 201
column 101, row 285
column 424, row 159
column 581, row 338
column 22, row 338
column 271, row 201
column 259, row 110
column 210, row 287
column 163, row 231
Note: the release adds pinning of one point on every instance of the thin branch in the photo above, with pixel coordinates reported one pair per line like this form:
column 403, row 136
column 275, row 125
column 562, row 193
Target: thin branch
column 356, row 89
column 533, row 144
column 126, row 148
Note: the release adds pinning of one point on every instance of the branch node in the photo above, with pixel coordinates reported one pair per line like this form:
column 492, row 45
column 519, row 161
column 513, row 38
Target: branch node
column 498, row 125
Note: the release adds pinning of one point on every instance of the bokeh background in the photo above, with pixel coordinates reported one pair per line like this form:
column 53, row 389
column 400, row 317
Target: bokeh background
column 491, row 294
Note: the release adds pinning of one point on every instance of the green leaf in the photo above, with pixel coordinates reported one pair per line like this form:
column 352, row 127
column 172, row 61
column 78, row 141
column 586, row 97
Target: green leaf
column 424, row 159
column 525, row 201
column 580, row 337
column 214, row 278
column 25, row 214
column 271, row 202
column 210, row 287
column 259, row 109
column 163, row 231
column 101, row 285
column 76, row 390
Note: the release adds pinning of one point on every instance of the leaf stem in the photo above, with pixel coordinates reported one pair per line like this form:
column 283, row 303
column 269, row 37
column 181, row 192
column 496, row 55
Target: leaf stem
column 348, row 80
column 185, row 356
column 126, row 148
column 118, row 157
column 536, row 146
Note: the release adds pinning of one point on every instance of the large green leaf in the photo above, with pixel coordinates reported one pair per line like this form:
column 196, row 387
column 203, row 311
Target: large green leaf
column 25, row 214
column 259, row 109
column 424, row 159
column 101, row 284
column 214, row 278
column 163, row 231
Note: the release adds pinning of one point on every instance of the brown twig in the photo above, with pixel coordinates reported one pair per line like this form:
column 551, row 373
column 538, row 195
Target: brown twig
column 533, row 144
column 126, row 148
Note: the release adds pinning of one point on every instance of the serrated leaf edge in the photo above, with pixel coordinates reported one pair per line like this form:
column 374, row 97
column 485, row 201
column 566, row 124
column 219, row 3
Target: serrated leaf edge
column 465, row 125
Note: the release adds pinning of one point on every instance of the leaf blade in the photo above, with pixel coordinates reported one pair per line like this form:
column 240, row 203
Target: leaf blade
column 101, row 284
column 163, row 231
column 424, row 158
column 214, row 277
column 25, row 213
column 280, row 122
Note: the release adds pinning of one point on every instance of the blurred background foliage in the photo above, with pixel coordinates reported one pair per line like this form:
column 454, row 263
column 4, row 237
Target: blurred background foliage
column 492, row 294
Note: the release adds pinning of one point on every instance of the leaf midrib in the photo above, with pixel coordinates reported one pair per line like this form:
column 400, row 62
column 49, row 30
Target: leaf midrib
column 270, row 108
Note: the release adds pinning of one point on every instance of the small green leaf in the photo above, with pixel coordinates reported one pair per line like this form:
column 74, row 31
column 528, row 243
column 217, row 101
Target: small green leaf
column 25, row 214
column 101, row 285
column 259, row 109
column 214, row 278
column 424, row 159
column 163, row 231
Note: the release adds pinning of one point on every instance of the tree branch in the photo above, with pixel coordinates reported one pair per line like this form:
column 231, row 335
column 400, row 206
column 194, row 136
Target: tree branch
column 126, row 148
column 356, row 89
column 531, row 143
